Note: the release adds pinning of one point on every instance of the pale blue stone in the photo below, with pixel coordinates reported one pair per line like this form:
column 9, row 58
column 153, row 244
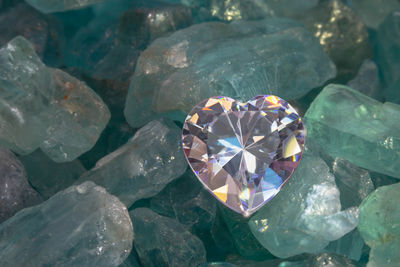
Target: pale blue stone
column 187, row 201
column 380, row 225
column 357, row 128
column 367, row 80
column 51, row 6
column 239, row 60
column 161, row 241
column 388, row 47
column 373, row 12
column 45, row 107
column 144, row 165
column 80, row 226
column 15, row 190
column 49, row 177
column 306, row 215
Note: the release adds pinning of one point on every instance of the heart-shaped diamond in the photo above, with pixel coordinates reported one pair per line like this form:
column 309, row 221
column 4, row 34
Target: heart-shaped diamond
column 243, row 153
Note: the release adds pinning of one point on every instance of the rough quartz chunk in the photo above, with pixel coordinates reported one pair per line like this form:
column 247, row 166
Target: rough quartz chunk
column 380, row 225
column 306, row 215
column 251, row 10
column 341, row 33
column 161, row 241
column 357, row 128
column 388, row 45
column 44, row 107
column 367, row 80
column 51, row 6
column 144, row 165
column 187, row 201
column 40, row 30
column 373, row 12
column 49, row 177
column 80, row 226
column 15, row 191
column 240, row 60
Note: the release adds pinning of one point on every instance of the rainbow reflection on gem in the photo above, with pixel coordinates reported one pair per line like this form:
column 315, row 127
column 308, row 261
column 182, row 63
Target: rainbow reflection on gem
column 243, row 153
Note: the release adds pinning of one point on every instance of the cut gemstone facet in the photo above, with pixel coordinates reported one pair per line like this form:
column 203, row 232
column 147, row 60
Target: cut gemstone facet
column 243, row 153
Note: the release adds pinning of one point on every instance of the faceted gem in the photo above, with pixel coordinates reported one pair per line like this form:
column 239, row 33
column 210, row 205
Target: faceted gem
column 243, row 152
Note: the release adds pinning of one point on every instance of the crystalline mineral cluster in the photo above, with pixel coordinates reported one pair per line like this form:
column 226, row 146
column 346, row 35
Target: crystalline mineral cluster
column 199, row 133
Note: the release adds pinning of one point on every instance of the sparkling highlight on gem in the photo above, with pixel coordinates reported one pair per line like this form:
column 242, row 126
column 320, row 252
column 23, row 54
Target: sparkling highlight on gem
column 243, row 153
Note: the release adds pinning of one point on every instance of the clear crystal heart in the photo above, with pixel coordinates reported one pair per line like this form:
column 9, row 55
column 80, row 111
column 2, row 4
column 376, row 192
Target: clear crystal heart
column 243, row 153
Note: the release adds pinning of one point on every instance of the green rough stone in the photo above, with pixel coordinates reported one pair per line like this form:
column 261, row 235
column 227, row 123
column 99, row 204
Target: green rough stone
column 387, row 51
column 341, row 33
column 46, row 108
column 142, row 167
column 322, row 260
column 245, row 242
column 367, row 80
column 306, row 215
column 51, row 6
column 44, row 32
column 15, row 190
column 357, row 128
column 373, row 12
column 161, row 241
column 354, row 183
column 350, row 245
column 379, row 225
column 241, row 59
column 80, row 226
column 49, row 177
column 188, row 202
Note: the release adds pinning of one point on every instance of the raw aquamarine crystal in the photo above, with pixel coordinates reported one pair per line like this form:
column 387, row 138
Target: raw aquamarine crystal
column 388, row 45
column 15, row 191
column 44, row 107
column 49, row 177
column 357, row 128
column 80, row 226
column 373, row 12
column 354, row 183
column 341, row 33
column 51, row 6
column 367, row 80
column 161, row 241
column 186, row 201
column 306, row 215
column 243, row 152
column 240, row 60
column 143, row 166
column 380, row 225
column 42, row 31
column 322, row 260
column 245, row 242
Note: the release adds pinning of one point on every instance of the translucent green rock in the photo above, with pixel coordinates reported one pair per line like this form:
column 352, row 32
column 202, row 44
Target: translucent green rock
column 51, row 6
column 322, row 260
column 49, row 177
column 161, row 241
column 80, row 226
column 15, row 191
column 388, row 45
column 379, row 225
column 241, row 59
column 46, row 108
column 188, row 202
column 44, row 32
column 373, row 12
column 357, row 128
column 144, row 165
column 306, row 215
column 245, row 242
column 341, row 33
column 367, row 80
